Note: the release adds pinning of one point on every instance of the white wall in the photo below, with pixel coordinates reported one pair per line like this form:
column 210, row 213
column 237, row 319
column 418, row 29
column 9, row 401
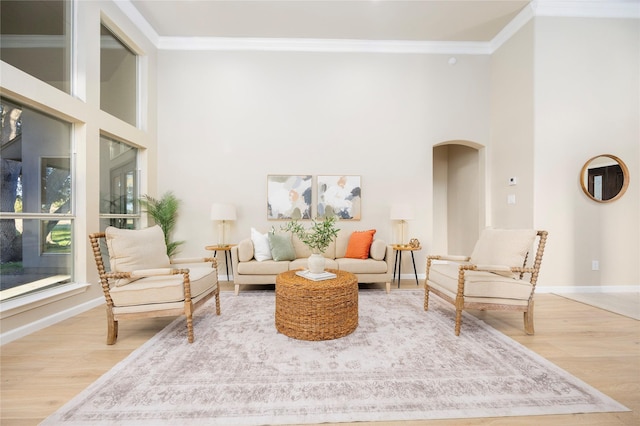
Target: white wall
column 587, row 94
column 229, row 119
column 512, row 136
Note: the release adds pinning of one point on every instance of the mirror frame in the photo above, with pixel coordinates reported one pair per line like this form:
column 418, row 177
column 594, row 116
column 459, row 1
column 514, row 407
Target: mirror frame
column 625, row 173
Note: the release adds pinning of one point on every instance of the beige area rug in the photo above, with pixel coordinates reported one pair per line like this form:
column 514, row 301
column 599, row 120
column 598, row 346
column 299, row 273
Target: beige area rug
column 401, row 363
column 627, row 304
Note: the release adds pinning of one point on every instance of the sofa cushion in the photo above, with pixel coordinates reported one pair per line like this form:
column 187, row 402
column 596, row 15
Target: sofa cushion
column 378, row 250
column 362, row 266
column 245, row 250
column 164, row 289
column 301, row 263
column 302, row 251
column 261, row 249
column 266, row 267
column 342, row 240
column 359, row 244
column 281, row 247
column 507, row 247
column 136, row 249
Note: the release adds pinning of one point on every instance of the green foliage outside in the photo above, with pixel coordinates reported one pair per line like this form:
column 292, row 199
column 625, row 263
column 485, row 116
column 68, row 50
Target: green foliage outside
column 60, row 241
column 8, row 268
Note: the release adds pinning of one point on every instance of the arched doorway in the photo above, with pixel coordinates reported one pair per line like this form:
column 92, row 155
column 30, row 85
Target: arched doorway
column 458, row 196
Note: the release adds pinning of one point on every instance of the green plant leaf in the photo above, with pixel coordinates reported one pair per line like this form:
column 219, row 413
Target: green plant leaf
column 164, row 212
column 319, row 236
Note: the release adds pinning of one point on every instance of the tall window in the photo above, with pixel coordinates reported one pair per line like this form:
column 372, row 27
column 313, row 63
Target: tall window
column 36, row 220
column 35, row 37
column 118, row 77
column 118, row 184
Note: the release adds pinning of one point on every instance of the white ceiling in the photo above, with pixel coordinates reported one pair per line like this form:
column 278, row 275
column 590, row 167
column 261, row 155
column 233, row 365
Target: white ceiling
column 417, row 20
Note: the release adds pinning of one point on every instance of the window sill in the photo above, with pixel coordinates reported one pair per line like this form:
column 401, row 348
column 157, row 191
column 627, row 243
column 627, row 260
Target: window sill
column 31, row 301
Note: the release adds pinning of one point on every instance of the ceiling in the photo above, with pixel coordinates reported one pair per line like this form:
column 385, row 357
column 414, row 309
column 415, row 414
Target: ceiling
column 424, row 20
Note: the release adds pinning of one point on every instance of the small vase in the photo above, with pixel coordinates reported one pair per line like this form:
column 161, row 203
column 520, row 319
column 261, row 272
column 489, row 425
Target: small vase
column 316, row 263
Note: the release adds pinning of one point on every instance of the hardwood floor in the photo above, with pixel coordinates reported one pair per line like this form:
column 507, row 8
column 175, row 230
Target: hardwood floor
column 42, row 371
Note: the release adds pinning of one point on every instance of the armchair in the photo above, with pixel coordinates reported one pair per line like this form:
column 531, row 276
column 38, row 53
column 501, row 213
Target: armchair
column 494, row 277
column 143, row 282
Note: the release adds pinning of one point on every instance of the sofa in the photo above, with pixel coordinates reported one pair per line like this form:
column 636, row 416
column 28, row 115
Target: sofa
column 252, row 265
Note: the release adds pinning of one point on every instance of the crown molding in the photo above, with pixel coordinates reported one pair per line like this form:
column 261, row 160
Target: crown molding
column 546, row 8
column 322, row 45
column 512, row 27
column 629, row 9
column 138, row 20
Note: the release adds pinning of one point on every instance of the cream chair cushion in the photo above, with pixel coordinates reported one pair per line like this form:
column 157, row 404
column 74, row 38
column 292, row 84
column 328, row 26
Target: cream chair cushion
column 480, row 284
column 507, row 247
column 135, row 249
column 164, row 289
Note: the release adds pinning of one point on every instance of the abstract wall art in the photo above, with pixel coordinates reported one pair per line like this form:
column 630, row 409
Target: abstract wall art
column 289, row 197
column 339, row 195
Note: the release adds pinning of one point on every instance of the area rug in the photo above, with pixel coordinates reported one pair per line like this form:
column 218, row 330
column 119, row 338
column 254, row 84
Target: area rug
column 401, row 363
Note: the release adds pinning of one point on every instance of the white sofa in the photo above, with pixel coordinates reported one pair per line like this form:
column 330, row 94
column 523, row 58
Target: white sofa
column 377, row 268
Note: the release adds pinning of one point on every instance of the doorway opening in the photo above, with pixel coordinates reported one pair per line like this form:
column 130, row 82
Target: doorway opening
column 459, row 196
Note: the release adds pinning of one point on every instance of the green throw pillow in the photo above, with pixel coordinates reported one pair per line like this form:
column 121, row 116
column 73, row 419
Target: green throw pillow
column 281, row 247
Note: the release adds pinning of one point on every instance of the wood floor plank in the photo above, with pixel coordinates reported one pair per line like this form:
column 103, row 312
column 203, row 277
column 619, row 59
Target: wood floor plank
column 42, row 371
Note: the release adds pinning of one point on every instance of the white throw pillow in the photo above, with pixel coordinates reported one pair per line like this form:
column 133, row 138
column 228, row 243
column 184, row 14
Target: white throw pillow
column 133, row 250
column 261, row 248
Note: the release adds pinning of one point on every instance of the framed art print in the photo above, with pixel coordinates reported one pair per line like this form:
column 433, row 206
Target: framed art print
column 289, row 197
column 339, row 195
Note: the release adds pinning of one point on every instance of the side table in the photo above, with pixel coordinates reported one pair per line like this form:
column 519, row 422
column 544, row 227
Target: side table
column 399, row 248
column 227, row 253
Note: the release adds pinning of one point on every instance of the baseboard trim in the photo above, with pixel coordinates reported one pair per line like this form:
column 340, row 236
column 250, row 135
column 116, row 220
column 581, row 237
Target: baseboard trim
column 568, row 289
column 32, row 327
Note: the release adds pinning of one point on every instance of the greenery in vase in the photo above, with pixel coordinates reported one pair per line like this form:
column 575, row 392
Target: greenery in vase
column 164, row 212
column 319, row 236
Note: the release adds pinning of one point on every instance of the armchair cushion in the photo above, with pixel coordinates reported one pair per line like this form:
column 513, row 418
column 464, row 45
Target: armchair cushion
column 132, row 249
column 164, row 289
column 479, row 284
column 507, row 247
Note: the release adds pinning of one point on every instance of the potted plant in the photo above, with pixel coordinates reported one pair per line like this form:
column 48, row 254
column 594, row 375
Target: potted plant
column 164, row 212
column 317, row 238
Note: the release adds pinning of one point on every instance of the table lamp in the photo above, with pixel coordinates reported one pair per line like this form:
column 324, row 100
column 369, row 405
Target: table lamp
column 222, row 213
column 401, row 212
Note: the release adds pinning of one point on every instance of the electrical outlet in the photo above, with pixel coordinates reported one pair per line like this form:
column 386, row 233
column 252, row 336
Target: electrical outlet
column 511, row 199
column 595, row 265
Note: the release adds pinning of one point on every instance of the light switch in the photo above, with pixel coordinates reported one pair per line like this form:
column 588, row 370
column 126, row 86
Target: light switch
column 511, row 199
column 513, row 181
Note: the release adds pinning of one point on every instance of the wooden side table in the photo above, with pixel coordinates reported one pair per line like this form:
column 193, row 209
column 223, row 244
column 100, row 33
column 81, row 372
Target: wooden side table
column 227, row 252
column 399, row 248
column 316, row 310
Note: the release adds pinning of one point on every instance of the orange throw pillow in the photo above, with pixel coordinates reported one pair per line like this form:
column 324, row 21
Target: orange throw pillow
column 359, row 244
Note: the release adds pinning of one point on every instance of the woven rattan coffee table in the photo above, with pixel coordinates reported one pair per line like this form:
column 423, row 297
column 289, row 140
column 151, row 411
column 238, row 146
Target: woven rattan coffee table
column 316, row 310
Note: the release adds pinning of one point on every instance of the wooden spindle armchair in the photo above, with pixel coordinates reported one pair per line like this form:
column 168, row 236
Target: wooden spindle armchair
column 494, row 277
column 143, row 282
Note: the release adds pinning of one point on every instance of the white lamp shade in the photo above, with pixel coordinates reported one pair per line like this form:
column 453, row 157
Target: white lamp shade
column 401, row 212
column 223, row 212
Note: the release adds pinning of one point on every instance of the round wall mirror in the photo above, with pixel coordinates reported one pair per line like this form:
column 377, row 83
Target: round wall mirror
column 604, row 178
